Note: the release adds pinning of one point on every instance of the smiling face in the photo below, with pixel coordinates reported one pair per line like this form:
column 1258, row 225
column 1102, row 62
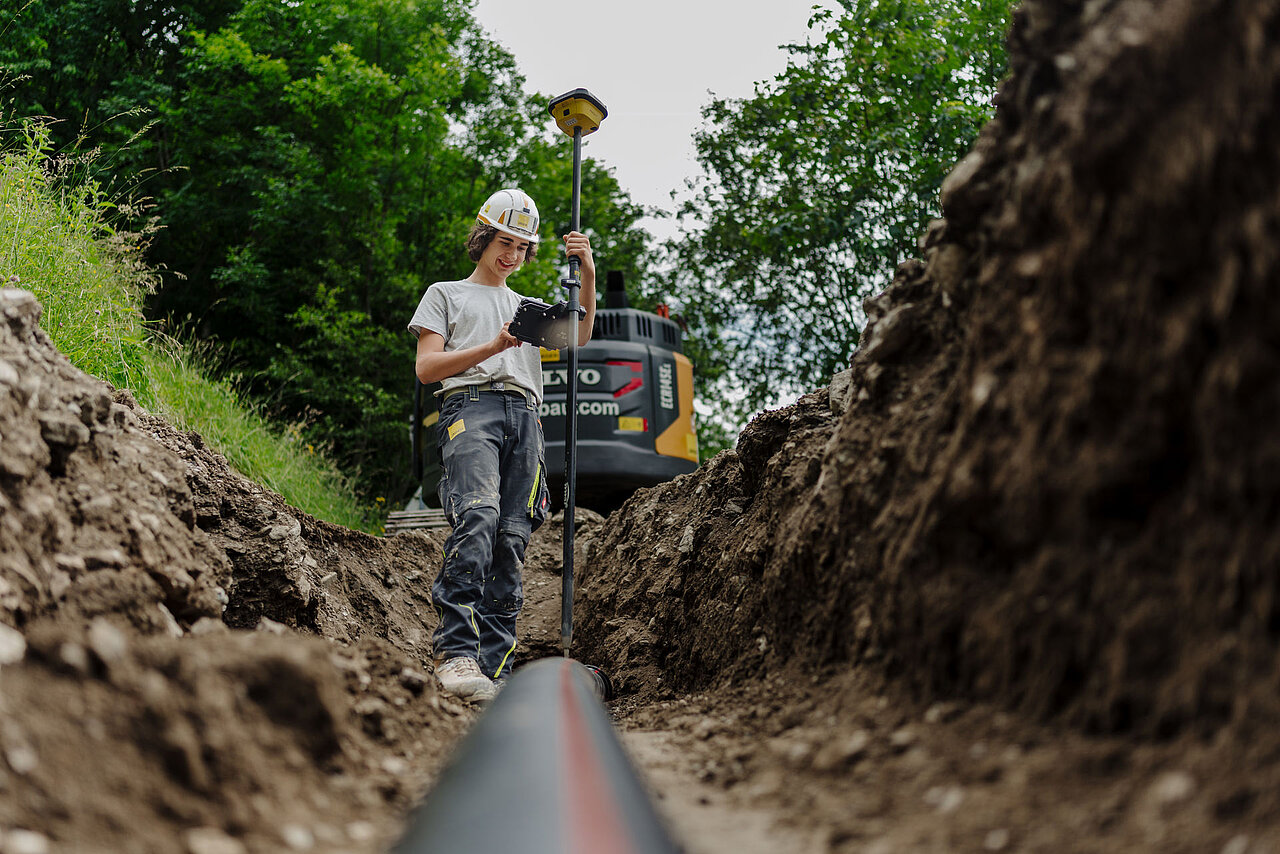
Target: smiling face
column 502, row 257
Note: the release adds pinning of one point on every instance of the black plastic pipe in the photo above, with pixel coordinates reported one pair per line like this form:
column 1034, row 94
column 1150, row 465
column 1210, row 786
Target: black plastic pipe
column 542, row 772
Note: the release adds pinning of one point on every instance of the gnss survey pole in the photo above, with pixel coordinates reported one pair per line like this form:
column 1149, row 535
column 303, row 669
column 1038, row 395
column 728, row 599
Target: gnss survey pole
column 577, row 113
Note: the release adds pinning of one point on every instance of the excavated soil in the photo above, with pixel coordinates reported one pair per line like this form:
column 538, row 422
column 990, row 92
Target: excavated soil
column 1008, row 584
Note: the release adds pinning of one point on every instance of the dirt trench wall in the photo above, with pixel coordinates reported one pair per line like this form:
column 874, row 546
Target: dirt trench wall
column 186, row 662
column 93, row 521
column 108, row 511
column 1051, row 477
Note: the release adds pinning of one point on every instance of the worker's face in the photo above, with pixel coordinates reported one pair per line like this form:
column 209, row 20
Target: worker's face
column 504, row 255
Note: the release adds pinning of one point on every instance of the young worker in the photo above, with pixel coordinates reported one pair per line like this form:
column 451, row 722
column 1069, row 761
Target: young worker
column 493, row 482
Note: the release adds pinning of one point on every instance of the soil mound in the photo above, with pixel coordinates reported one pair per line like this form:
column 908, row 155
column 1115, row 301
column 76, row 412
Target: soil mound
column 1050, row 478
column 187, row 663
column 72, row 537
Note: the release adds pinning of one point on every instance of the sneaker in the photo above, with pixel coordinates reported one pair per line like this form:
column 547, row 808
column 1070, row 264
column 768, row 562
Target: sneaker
column 461, row 677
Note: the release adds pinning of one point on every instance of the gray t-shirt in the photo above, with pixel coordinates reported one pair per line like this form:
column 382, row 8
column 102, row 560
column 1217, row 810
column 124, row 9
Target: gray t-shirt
column 466, row 315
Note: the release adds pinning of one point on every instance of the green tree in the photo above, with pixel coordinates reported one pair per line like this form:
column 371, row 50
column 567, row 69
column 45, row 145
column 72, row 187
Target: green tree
column 81, row 62
column 819, row 184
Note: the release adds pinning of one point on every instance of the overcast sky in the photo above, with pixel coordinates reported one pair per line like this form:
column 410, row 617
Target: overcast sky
column 652, row 63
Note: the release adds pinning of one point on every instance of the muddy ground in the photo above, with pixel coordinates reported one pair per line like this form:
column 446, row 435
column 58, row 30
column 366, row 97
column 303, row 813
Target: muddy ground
column 1008, row 584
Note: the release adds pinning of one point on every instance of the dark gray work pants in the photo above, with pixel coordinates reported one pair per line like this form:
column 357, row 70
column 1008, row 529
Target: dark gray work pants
column 493, row 490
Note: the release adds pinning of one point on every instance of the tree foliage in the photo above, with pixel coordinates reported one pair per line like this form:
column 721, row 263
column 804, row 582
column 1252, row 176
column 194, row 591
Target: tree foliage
column 818, row 185
column 315, row 165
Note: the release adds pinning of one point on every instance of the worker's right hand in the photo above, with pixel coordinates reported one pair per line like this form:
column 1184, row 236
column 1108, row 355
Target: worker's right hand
column 505, row 340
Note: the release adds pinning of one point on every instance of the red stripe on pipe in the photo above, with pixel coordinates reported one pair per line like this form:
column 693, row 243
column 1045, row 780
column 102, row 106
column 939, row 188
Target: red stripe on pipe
column 594, row 824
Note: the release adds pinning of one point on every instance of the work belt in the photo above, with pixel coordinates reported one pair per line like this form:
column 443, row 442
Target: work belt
column 490, row 386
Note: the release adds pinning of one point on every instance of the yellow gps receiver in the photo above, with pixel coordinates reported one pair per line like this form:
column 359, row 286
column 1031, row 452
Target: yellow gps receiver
column 578, row 109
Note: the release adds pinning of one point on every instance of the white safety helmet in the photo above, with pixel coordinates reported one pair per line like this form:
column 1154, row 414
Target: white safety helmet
column 513, row 212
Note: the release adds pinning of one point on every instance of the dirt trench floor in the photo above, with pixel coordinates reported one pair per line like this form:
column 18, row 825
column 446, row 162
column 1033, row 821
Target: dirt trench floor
column 774, row 768
column 837, row 761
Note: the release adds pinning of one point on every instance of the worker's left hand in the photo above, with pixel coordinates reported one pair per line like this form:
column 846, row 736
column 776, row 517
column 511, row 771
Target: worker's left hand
column 578, row 244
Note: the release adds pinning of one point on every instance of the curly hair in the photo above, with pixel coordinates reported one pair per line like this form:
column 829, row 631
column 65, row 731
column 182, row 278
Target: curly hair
column 482, row 235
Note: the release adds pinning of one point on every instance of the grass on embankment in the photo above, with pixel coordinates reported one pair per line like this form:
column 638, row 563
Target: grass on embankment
column 57, row 241
column 278, row 458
